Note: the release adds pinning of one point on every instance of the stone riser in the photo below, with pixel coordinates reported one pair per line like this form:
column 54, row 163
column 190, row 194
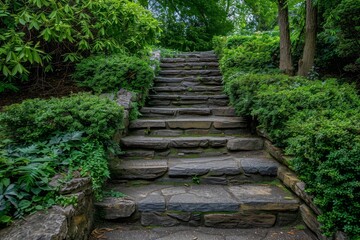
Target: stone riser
column 188, row 103
column 211, row 170
column 189, row 60
column 189, row 73
column 175, row 112
column 190, row 66
column 188, row 132
column 218, row 220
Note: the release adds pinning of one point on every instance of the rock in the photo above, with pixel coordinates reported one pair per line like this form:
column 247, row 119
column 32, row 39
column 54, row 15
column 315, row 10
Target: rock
column 245, row 144
column 112, row 208
column 288, row 177
column 310, row 219
column 265, row 167
column 138, row 169
column 147, row 124
column 240, row 220
column 41, row 225
column 189, row 142
column 188, row 123
column 264, row 197
column 227, row 111
column 140, row 153
column 167, row 133
column 194, row 111
column 230, row 123
column 144, row 142
column 152, row 203
column 157, row 219
column 287, row 218
column 124, row 98
column 200, row 199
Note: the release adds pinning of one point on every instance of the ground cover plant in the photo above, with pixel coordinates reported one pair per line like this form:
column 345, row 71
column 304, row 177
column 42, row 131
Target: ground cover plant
column 40, row 138
column 317, row 122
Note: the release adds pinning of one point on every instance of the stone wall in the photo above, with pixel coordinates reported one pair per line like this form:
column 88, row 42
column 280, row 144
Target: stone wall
column 71, row 222
column 309, row 211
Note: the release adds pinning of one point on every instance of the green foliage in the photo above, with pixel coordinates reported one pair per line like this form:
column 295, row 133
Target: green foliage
column 110, row 73
column 189, row 25
column 47, row 33
column 257, row 52
column 36, row 119
column 65, row 136
column 318, row 123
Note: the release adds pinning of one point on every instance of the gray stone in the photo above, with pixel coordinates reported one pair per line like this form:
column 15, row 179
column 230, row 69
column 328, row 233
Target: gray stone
column 189, row 142
column 218, row 102
column 138, row 169
column 145, row 142
column 310, row 219
column 201, row 166
column 184, row 217
column 194, row 111
column 190, row 72
column 157, row 219
column 287, row 218
column 162, row 111
column 230, row 123
column 240, row 220
column 124, row 98
column 226, row 111
column 245, row 144
column 152, row 203
column 112, row 208
column 189, row 123
column 264, row 197
column 147, row 124
column 140, row 153
column 257, row 165
column 41, row 225
column 167, row 133
column 203, row 199
column 214, row 180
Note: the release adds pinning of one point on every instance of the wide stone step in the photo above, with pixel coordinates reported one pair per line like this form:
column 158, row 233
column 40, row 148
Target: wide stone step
column 175, row 73
column 189, row 65
column 211, row 170
column 188, row 81
column 205, row 146
column 190, row 60
column 184, row 100
column 161, row 112
column 243, row 206
column 186, row 123
column 193, row 90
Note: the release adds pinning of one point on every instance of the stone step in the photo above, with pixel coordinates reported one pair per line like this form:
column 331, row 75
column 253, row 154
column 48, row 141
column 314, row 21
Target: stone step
column 243, row 206
column 196, row 55
column 174, row 112
column 184, row 100
column 189, row 65
column 204, row 146
column 174, row 73
column 188, row 81
column 194, row 90
column 211, row 170
column 190, row 60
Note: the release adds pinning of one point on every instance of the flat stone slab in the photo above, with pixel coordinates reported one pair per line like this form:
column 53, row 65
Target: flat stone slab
column 190, row 111
column 267, row 167
column 245, row 144
column 188, row 98
column 138, row 169
column 113, row 208
column 211, row 198
column 201, row 166
column 190, row 72
column 196, row 122
column 264, row 197
column 203, row 199
column 143, row 142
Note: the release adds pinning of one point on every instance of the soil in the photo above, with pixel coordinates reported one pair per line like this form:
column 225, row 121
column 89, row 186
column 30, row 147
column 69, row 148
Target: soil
column 57, row 86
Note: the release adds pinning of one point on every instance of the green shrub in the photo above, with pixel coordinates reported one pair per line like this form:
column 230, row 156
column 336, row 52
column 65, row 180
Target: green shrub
column 41, row 138
column 46, row 33
column 248, row 53
column 318, row 122
column 110, row 73
column 36, row 120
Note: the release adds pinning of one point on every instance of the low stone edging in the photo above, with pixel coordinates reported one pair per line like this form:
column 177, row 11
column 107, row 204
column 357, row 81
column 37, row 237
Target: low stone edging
column 309, row 211
column 56, row 223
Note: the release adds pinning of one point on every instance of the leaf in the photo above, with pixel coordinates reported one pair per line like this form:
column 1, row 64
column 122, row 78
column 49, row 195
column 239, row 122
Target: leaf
column 23, row 204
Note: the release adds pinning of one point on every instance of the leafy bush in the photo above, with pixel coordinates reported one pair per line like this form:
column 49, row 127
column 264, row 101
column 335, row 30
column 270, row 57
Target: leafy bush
column 318, row 122
column 248, row 53
column 48, row 33
column 110, row 73
column 36, row 120
column 46, row 137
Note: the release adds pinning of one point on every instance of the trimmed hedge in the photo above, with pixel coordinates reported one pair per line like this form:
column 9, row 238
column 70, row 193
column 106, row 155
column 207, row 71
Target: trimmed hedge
column 318, row 122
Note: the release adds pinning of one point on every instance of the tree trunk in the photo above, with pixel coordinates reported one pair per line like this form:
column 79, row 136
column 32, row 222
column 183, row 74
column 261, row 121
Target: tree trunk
column 307, row 61
column 286, row 65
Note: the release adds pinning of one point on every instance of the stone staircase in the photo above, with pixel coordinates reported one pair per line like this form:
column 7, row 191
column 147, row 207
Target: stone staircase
column 189, row 160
